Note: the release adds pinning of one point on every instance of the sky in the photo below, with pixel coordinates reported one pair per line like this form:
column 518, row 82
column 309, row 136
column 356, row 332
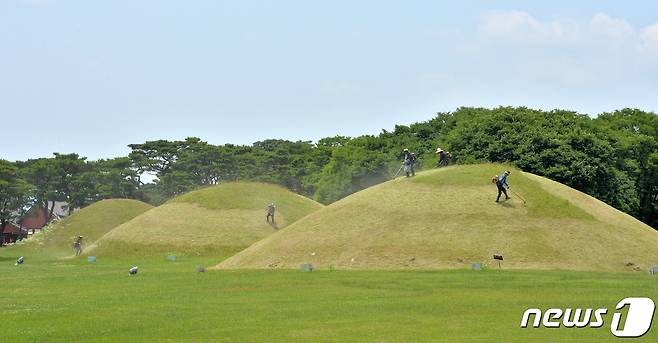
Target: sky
column 93, row 76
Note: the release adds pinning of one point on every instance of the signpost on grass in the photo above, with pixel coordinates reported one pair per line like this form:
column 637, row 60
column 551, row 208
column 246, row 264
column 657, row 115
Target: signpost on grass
column 498, row 258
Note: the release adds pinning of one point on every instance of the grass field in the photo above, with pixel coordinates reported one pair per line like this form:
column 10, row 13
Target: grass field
column 74, row 301
column 374, row 250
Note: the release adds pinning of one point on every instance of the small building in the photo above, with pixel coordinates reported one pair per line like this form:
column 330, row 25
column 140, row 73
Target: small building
column 35, row 218
column 12, row 233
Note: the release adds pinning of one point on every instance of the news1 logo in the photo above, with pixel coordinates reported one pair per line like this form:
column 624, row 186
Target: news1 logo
column 637, row 323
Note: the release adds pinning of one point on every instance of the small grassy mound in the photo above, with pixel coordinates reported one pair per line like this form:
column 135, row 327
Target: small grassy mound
column 447, row 218
column 91, row 222
column 218, row 221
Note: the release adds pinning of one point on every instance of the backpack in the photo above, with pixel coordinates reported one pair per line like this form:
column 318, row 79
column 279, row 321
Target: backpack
column 494, row 179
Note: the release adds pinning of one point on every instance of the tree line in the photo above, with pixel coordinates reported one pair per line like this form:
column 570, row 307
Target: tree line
column 613, row 157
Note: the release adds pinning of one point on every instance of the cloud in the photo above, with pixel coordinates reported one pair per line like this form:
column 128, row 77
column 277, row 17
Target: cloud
column 602, row 42
column 601, row 29
column 612, row 28
column 513, row 57
column 521, row 26
column 649, row 36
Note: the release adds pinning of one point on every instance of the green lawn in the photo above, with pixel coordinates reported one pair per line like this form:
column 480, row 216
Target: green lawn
column 168, row 301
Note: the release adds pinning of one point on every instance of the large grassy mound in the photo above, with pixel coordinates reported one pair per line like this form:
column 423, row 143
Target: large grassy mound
column 91, row 222
column 218, row 220
column 447, row 218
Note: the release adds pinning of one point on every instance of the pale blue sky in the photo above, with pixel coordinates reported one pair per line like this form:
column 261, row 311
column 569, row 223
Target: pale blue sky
column 93, row 76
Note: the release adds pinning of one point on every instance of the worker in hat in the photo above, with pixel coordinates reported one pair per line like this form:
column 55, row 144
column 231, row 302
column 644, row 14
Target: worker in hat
column 501, row 183
column 77, row 246
column 271, row 208
column 443, row 157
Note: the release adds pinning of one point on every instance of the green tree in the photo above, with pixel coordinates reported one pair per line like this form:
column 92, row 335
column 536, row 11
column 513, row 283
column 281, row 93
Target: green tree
column 634, row 135
column 53, row 179
column 335, row 180
column 14, row 194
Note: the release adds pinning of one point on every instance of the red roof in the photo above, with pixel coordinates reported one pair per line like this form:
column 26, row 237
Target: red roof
column 35, row 218
column 11, row 228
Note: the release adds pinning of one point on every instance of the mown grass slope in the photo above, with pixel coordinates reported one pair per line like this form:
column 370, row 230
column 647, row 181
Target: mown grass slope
column 91, row 222
column 218, row 220
column 447, row 218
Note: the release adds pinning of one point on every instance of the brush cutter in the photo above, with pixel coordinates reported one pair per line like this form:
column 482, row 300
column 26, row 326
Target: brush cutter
column 518, row 195
column 396, row 174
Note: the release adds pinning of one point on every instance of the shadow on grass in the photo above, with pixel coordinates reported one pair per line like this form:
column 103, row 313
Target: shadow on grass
column 506, row 204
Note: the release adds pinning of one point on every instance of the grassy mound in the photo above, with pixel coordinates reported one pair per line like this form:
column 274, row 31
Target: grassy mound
column 218, row 221
column 91, row 222
column 447, row 218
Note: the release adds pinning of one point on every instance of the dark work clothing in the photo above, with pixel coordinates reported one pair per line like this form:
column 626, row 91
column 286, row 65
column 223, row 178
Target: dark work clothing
column 502, row 183
column 501, row 190
column 409, row 160
column 502, row 180
column 443, row 159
